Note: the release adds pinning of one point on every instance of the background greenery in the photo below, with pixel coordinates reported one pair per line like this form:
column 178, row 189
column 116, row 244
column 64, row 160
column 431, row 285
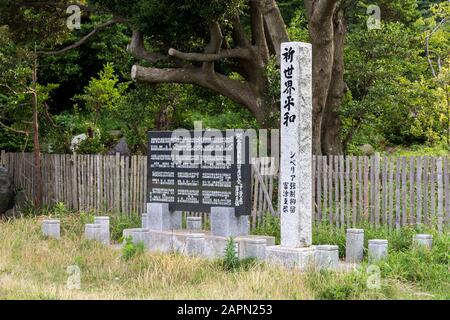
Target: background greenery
column 393, row 103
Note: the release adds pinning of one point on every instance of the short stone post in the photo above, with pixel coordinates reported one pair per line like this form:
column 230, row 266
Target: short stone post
column 105, row 232
column 195, row 244
column 159, row 217
column 51, row 228
column 354, row 245
column 255, row 248
column 194, row 223
column 93, row 231
column 225, row 223
column 144, row 221
column 327, row 257
column 378, row 250
column 423, row 240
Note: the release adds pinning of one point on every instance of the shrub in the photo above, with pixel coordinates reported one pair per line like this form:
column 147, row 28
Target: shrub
column 130, row 249
column 270, row 226
column 230, row 259
column 120, row 222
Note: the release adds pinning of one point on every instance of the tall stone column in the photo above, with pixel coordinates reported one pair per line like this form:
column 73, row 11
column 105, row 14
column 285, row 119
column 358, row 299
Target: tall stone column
column 295, row 201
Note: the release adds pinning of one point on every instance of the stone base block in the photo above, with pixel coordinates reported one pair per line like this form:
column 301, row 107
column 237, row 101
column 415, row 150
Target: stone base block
column 423, row 240
column 195, row 244
column 140, row 235
column 326, row 257
column 225, row 223
column 191, row 243
column 313, row 258
column 354, row 246
column 93, row 232
column 160, row 218
column 291, row 258
column 378, row 250
column 51, row 229
column 144, row 220
column 254, row 248
column 194, row 223
column 105, row 233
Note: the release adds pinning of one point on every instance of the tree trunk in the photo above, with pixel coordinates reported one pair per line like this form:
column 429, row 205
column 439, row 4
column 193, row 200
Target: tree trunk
column 37, row 147
column 327, row 33
column 331, row 123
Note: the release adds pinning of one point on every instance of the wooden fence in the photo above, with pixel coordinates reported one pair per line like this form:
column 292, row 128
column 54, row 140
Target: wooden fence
column 100, row 183
column 348, row 191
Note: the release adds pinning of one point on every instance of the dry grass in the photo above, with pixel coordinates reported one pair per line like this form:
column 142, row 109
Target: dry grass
column 32, row 267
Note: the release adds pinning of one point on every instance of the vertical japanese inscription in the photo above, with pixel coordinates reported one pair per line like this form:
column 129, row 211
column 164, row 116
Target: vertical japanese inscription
column 296, row 144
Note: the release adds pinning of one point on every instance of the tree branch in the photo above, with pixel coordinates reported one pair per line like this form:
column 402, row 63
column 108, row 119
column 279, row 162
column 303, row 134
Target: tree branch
column 275, row 29
column 257, row 25
column 240, row 53
column 238, row 91
column 239, row 35
column 321, row 10
column 84, row 39
column 215, row 43
column 14, row 130
column 137, row 48
column 427, row 45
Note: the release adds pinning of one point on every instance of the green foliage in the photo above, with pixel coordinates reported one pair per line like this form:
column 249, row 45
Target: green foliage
column 392, row 98
column 441, row 150
column 349, row 286
column 131, row 250
column 94, row 145
column 428, row 268
column 120, row 222
column 270, row 226
column 324, row 233
column 230, row 259
column 178, row 23
column 103, row 93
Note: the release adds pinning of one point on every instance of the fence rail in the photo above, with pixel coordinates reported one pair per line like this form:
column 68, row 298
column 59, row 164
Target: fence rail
column 347, row 191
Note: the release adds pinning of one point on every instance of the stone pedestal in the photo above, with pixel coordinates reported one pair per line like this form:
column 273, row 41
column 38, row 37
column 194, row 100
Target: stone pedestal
column 255, row 248
column 225, row 223
column 51, row 228
column 291, row 258
column 378, row 250
column 105, row 233
column 190, row 243
column 194, row 223
column 93, row 232
column 144, row 220
column 195, row 244
column 354, row 245
column 423, row 240
column 326, row 257
column 160, row 218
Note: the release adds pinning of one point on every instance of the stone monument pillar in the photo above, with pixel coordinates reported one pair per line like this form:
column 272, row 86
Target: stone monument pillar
column 295, row 197
column 295, row 201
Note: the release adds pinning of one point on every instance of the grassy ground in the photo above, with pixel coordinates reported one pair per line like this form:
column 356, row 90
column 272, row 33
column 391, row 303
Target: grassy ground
column 32, row 267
